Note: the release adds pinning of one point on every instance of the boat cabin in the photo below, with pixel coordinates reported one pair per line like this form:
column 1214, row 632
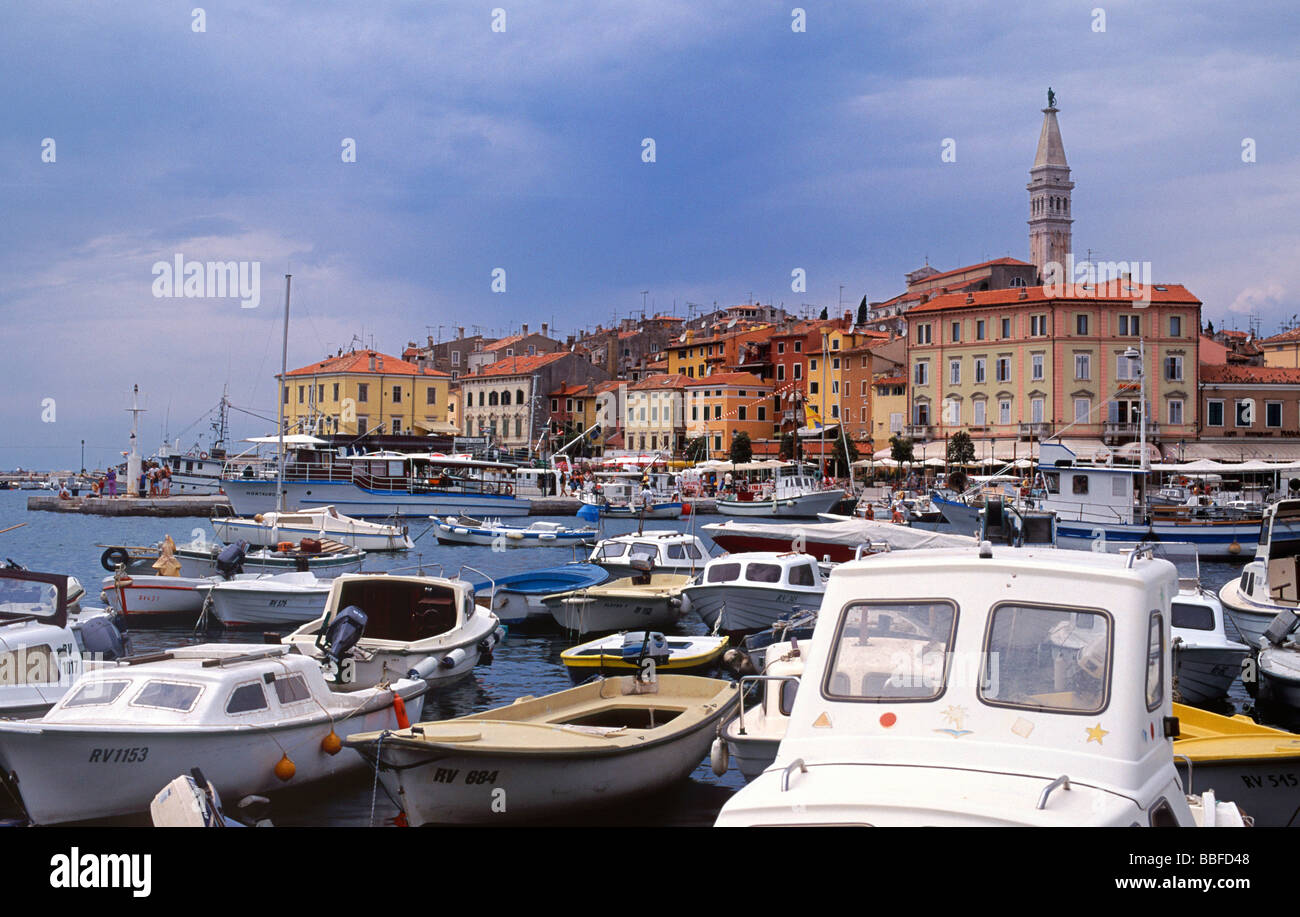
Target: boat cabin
column 789, row 571
column 988, row 686
column 1274, row 575
column 1083, row 493
column 665, row 550
column 403, row 609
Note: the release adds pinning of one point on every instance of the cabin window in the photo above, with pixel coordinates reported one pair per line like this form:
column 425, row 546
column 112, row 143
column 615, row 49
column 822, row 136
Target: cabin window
column 96, row 693
column 723, row 573
column 28, row 597
column 1247, row 583
column 1048, row 659
column 291, row 689
column 802, row 575
column 641, row 549
column 1053, row 481
column 676, row 552
column 1193, row 617
column 167, row 695
column 1156, row 661
column 613, row 549
column 891, row 651
column 30, row 665
column 1080, row 483
column 246, row 699
column 763, row 573
column 1119, row 486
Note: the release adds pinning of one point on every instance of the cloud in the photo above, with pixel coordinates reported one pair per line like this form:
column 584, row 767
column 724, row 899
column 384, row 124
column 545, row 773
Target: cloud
column 1258, row 298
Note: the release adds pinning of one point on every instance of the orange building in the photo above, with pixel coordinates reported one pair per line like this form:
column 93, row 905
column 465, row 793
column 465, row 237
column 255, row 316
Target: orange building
column 724, row 404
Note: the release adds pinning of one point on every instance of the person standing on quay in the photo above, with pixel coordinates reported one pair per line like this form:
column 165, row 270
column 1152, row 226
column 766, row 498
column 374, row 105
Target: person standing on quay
column 112, row 482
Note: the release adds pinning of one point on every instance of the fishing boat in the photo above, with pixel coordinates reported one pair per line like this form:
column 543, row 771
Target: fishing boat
column 1260, row 764
column 793, row 491
column 378, row 484
column 325, row 522
column 144, row 599
column 253, row 717
column 517, row 599
column 1270, row 583
column 666, row 550
column 416, row 626
column 551, row 757
column 44, row 644
column 618, row 494
column 1101, row 503
column 645, row 601
column 742, row 593
column 1027, row 686
column 200, row 558
column 274, row 600
column 468, row 530
column 834, row 540
column 1206, row 662
column 625, row 654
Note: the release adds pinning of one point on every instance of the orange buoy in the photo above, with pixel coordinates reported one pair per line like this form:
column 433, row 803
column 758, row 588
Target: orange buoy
column 399, row 820
column 285, row 769
column 399, row 711
column 331, row 744
column 686, row 509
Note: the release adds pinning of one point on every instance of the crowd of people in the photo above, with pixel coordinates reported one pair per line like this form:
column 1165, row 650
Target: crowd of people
column 155, row 481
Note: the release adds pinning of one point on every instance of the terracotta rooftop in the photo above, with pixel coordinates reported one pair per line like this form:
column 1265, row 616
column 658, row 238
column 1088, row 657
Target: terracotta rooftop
column 1286, row 337
column 971, row 267
column 1250, row 375
column 658, row 383
column 1165, row 293
column 358, row 361
column 511, row 366
column 566, row 390
column 890, row 380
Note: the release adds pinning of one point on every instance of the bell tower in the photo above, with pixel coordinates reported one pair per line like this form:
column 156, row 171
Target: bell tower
column 1049, row 195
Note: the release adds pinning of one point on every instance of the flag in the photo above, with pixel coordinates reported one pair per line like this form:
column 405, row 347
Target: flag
column 812, row 418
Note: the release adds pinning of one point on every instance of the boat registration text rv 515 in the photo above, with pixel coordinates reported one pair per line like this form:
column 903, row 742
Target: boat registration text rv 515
column 103, row 870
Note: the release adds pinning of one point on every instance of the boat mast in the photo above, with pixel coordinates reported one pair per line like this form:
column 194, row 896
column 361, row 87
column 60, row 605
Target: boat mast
column 279, row 397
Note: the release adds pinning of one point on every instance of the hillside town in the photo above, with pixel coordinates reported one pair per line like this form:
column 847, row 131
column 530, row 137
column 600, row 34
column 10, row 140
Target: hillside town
column 1006, row 351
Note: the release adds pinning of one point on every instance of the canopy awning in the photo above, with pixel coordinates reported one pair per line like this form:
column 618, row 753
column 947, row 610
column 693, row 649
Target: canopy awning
column 290, row 439
column 1239, row 453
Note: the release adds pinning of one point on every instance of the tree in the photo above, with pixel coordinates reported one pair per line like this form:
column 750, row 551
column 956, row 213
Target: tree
column 900, row 449
column 787, row 446
column 862, row 311
column 825, row 315
column 843, row 458
column 961, row 449
column 1209, row 328
column 695, row 449
column 741, row 449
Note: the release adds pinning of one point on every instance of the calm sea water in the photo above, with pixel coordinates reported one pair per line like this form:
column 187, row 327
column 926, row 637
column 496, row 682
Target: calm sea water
column 60, row 543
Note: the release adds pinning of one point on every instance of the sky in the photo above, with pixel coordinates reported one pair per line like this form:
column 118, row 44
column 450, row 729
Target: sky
column 493, row 137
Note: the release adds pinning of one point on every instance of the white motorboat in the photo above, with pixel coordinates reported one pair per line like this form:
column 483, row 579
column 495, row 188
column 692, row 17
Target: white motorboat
column 44, row 645
column 143, row 599
column 200, row 558
column 667, row 551
column 253, row 717
column 650, row 601
column 794, row 491
column 273, row 600
column 752, row 738
column 550, row 757
column 618, row 494
column 747, row 592
column 1206, row 662
column 1270, row 583
column 320, row 523
column 419, row 626
column 494, row 532
column 1027, row 686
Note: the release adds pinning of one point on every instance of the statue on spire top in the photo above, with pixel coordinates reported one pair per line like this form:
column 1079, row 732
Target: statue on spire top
column 1051, row 98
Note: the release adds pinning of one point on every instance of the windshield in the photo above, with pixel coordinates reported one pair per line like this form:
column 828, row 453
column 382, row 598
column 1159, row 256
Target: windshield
column 895, row 651
column 1040, row 658
column 28, row 597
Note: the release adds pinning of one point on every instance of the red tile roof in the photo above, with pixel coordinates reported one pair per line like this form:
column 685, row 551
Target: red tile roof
column 358, row 361
column 511, row 366
column 972, row 267
column 1285, row 337
column 890, row 380
column 657, row 383
column 566, row 390
column 1250, row 375
column 1165, row 293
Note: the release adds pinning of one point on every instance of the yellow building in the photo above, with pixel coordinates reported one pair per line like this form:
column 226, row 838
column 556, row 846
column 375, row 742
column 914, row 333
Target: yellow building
column 827, row 369
column 1282, row 349
column 365, row 391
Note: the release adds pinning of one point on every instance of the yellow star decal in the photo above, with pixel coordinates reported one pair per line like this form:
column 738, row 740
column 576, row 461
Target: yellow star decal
column 1096, row 734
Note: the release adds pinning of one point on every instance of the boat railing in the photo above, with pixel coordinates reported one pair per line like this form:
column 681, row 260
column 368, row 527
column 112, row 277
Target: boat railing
column 461, row 575
column 752, row 679
column 1060, row 783
column 796, row 764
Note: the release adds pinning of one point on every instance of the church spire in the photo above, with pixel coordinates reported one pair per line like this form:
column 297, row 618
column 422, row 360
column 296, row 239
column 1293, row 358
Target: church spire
column 1049, row 195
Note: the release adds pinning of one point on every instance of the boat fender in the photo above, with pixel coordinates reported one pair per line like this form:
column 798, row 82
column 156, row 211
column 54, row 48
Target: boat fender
column 203, row 455
column 113, row 557
column 508, row 489
column 285, row 768
column 515, row 535
column 399, row 711
column 454, row 658
column 424, row 669
column 331, row 744
column 719, row 757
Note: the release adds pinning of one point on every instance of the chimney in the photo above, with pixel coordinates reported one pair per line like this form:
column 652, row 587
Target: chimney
column 372, row 361
column 460, row 332
column 848, row 318
column 525, row 327
column 544, row 327
column 970, row 298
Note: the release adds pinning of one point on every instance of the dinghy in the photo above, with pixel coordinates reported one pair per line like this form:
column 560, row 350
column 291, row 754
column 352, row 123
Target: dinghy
column 269, row 601
column 626, row 653
column 647, row 601
column 322, row 523
column 253, row 717
column 516, row 600
column 551, row 756
column 467, row 530
column 422, row 626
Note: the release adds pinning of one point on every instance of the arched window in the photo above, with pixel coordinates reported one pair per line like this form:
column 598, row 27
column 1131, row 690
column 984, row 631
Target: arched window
column 519, row 396
column 505, row 397
column 492, row 399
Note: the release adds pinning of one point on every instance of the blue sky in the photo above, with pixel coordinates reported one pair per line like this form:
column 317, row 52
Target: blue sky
column 521, row 150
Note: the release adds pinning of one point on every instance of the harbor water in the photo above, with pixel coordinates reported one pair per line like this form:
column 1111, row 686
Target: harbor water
column 522, row 664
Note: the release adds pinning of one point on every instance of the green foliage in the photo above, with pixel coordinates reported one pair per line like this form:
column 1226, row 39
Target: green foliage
column 695, row 449
column 741, row 449
column 961, row 448
column 900, row 448
column 787, row 446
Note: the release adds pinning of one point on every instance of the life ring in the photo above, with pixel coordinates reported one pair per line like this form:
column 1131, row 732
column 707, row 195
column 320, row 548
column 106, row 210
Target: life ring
column 203, row 455
column 113, row 557
column 508, row 489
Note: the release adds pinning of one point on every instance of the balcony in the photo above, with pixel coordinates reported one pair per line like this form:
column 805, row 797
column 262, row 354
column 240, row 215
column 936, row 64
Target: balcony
column 1038, row 430
column 1119, row 431
column 923, row 431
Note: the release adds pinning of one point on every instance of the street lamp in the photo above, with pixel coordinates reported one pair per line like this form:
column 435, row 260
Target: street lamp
column 1139, row 354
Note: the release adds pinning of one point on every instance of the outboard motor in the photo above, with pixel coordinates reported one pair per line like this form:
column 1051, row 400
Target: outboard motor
column 230, row 561
column 642, row 567
column 341, row 637
column 100, row 637
column 1282, row 627
column 641, row 645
